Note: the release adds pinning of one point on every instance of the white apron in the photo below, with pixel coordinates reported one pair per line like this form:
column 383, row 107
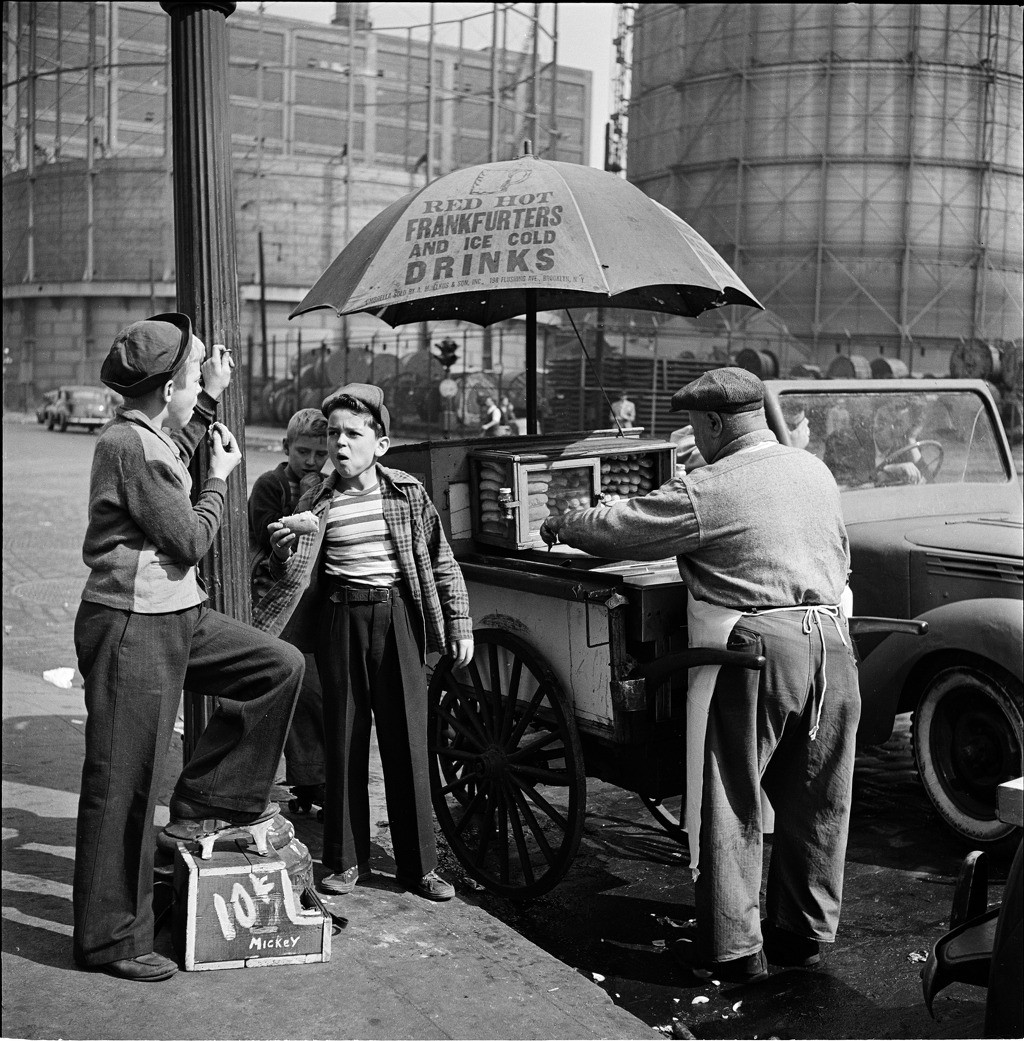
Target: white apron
column 709, row 626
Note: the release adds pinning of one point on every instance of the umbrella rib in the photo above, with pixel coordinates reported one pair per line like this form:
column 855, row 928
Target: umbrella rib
column 586, row 231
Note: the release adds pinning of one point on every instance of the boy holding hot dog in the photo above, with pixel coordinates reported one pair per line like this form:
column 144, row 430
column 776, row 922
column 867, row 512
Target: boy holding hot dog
column 144, row 632
column 370, row 591
column 273, row 496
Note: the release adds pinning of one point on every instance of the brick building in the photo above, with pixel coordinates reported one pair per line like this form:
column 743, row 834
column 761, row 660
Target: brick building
column 87, row 202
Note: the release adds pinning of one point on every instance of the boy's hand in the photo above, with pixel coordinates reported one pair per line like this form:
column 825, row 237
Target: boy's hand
column 308, row 482
column 217, row 370
column 282, row 541
column 224, row 451
column 461, row 652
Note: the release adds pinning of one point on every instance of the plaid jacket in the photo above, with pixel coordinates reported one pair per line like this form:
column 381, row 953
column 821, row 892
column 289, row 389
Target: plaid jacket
column 428, row 567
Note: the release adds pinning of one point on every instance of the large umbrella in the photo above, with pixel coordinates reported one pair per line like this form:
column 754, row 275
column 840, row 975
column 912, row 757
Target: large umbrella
column 503, row 239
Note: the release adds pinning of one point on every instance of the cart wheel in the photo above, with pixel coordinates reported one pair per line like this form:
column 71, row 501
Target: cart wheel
column 506, row 767
column 668, row 812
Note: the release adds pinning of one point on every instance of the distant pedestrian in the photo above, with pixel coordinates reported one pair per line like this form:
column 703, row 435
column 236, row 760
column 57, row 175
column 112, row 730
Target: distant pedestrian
column 275, row 495
column 509, row 420
column 144, row 632
column 490, row 418
column 371, row 591
column 623, row 411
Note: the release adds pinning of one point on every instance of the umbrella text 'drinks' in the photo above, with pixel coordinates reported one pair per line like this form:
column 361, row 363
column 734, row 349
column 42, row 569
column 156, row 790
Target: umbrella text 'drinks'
column 504, row 239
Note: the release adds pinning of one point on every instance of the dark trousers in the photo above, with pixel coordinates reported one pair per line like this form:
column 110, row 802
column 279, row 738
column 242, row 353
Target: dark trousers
column 135, row 667
column 304, row 747
column 371, row 666
column 759, row 733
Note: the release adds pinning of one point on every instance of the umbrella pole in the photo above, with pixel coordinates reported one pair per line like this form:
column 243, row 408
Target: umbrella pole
column 531, row 361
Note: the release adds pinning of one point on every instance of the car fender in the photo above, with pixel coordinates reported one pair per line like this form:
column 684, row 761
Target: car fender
column 991, row 628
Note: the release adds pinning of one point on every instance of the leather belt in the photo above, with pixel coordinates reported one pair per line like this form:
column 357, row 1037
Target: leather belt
column 345, row 594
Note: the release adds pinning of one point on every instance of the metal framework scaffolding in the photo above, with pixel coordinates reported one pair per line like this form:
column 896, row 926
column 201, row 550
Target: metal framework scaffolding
column 860, row 164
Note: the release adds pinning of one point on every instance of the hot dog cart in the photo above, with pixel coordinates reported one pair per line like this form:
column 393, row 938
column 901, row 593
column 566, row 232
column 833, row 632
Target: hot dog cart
column 580, row 662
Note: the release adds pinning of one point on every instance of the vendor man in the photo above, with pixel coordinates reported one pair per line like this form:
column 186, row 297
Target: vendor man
column 762, row 548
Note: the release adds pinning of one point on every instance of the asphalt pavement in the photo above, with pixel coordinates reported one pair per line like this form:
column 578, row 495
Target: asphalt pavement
column 402, row 967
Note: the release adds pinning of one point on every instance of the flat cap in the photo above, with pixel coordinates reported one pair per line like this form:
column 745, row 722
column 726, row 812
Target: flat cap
column 720, row 390
column 366, row 394
column 146, row 354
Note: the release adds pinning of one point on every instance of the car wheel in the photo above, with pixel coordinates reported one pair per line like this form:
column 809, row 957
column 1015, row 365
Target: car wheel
column 62, row 423
column 968, row 733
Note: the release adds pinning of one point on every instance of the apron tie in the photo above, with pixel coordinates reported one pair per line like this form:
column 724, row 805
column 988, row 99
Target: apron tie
column 812, row 617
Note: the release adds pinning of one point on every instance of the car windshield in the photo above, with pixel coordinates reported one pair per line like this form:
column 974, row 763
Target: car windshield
column 891, row 438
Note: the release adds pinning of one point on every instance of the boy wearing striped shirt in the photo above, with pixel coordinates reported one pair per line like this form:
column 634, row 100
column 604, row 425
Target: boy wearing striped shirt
column 373, row 590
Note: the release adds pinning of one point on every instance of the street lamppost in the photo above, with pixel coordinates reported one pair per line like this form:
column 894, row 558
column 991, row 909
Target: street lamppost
column 207, row 282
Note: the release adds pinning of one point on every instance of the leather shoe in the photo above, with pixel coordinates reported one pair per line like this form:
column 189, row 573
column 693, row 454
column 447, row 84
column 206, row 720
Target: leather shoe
column 146, row 968
column 431, row 886
column 783, row 947
column 182, row 809
column 748, row 969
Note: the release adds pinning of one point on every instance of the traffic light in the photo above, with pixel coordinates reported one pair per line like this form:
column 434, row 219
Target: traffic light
column 448, row 353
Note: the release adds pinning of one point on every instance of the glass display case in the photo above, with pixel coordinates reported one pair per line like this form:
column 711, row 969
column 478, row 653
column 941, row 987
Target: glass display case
column 513, row 492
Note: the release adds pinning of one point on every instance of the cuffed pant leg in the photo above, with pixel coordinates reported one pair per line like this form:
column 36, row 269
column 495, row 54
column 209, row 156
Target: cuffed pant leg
column 256, row 679
column 134, row 667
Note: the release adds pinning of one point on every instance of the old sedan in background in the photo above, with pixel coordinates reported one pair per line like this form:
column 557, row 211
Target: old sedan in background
column 933, row 508
column 89, row 407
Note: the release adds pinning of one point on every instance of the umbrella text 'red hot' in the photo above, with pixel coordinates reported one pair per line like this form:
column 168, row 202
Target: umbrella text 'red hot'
column 471, row 244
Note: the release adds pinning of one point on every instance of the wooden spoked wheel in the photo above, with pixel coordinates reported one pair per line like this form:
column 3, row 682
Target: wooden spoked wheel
column 507, row 777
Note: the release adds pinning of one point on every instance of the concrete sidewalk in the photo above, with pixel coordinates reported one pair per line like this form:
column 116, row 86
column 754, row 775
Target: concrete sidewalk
column 401, row 968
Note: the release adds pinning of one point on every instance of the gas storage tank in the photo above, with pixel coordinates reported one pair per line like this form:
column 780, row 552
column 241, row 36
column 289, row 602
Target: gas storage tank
column 860, row 165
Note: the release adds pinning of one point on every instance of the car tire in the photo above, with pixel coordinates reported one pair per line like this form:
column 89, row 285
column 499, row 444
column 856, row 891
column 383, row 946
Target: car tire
column 968, row 732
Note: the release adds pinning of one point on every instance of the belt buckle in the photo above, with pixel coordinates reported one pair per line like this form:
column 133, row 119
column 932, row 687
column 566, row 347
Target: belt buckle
column 380, row 596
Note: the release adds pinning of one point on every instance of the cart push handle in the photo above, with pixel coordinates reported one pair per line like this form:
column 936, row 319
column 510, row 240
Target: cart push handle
column 656, row 672
column 861, row 625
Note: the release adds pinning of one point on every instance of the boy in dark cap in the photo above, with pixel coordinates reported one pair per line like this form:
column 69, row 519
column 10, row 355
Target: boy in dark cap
column 144, row 632
column 373, row 589
column 760, row 543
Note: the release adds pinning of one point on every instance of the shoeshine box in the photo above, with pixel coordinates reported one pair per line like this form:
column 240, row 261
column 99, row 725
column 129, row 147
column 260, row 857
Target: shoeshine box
column 239, row 910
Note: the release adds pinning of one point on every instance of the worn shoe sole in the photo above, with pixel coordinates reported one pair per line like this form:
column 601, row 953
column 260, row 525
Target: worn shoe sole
column 211, row 828
column 147, row 968
column 281, row 833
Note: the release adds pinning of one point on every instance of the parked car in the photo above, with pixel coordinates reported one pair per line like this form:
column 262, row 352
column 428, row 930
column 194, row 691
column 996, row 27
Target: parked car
column 44, row 406
column 933, row 509
column 90, row 407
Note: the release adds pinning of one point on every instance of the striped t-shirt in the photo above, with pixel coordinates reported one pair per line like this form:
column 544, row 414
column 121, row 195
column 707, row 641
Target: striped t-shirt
column 358, row 544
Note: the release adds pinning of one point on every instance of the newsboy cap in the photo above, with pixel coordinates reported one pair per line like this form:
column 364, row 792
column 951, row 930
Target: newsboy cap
column 366, row 394
column 147, row 354
column 720, row 390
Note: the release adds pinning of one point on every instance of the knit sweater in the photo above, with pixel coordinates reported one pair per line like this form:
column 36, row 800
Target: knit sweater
column 145, row 536
column 761, row 526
